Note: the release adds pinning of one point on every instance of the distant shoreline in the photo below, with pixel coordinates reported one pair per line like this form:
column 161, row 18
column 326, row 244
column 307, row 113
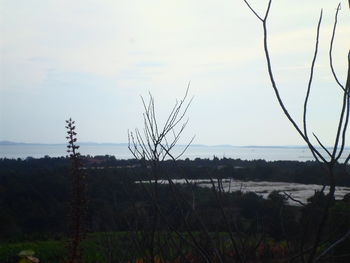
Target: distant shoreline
column 11, row 143
column 121, row 151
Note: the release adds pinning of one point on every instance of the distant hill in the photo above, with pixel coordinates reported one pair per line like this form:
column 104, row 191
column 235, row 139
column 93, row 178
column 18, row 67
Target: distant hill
column 79, row 143
column 9, row 143
column 180, row 145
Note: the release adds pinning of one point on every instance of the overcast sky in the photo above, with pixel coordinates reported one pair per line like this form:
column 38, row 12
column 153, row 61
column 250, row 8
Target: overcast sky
column 92, row 60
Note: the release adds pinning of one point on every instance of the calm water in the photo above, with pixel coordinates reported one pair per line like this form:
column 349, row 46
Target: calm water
column 122, row 152
column 300, row 192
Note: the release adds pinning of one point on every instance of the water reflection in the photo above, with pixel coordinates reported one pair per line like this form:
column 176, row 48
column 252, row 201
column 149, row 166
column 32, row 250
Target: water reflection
column 300, row 192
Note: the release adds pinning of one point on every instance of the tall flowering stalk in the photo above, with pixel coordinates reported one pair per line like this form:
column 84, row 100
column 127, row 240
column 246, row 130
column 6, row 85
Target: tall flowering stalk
column 78, row 196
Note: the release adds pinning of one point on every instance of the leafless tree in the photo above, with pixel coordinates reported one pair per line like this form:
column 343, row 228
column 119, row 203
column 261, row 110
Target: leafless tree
column 154, row 144
column 328, row 158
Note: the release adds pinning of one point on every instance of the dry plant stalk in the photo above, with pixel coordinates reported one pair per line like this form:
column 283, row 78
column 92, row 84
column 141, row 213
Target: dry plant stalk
column 78, row 197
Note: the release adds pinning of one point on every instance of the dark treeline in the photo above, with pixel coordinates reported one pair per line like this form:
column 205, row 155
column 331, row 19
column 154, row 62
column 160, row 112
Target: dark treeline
column 278, row 171
column 34, row 193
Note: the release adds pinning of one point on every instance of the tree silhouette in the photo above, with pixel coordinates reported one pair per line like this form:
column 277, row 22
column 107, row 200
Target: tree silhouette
column 328, row 159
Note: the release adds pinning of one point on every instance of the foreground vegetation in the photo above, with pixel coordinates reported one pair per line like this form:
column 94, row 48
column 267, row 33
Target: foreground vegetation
column 120, row 218
column 35, row 192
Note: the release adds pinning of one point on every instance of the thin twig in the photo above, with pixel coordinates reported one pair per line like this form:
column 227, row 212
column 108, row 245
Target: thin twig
column 331, row 48
column 340, row 240
column 289, row 196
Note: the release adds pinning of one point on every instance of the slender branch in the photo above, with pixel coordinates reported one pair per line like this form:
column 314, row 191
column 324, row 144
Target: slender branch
column 346, row 92
column 311, row 74
column 218, row 197
column 347, row 160
column 341, row 127
column 340, row 240
column 340, row 124
column 323, row 147
column 342, row 147
column 289, row 196
column 278, row 96
column 331, row 48
column 267, row 10
column 254, row 12
column 185, row 149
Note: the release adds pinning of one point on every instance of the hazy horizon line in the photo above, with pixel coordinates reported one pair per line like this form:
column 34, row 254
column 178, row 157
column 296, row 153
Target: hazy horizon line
column 6, row 142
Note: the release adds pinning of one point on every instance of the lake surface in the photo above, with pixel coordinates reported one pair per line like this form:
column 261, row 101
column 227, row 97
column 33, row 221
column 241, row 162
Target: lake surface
column 300, row 192
column 122, row 152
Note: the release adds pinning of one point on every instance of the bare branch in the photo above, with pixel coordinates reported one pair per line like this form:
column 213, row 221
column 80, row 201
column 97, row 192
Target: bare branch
column 278, row 96
column 342, row 126
column 340, row 240
column 323, row 147
column 341, row 119
column 289, row 196
column 347, row 160
column 311, row 75
column 345, row 127
column 254, row 12
column 154, row 118
column 267, row 11
column 331, row 48
column 347, row 92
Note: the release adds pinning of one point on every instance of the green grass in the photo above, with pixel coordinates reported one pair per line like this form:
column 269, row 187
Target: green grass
column 101, row 247
column 46, row 251
column 97, row 247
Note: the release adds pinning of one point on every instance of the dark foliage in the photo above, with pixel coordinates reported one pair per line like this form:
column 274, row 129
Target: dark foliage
column 34, row 194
